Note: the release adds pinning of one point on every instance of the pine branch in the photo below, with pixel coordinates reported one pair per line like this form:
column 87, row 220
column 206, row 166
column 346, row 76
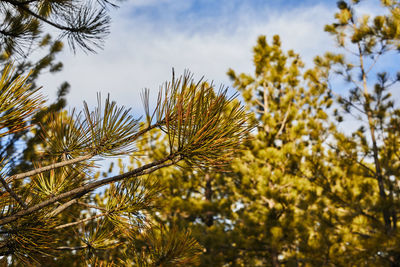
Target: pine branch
column 91, row 206
column 22, row 5
column 48, row 168
column 82, row 190
column 62, row 207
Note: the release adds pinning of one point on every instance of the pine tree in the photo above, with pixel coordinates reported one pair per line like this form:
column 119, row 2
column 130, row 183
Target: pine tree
column 278, row 206
column 359, row 174
column 346, row 183
column 39, row 223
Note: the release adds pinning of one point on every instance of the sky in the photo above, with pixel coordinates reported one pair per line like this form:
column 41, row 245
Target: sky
column 151, row 37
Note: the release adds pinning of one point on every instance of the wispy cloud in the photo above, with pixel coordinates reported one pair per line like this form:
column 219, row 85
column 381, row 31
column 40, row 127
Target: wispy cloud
column 149, row 38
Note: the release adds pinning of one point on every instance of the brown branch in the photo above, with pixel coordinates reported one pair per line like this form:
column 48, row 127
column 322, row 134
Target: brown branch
column 62, row 207
column 12, row 193
column 283, row 122
column 81, row 221
column 75, row 160
column 375, row 149
column 48, row 167
column 265, row 96
column 72, row 248
column 82, row 190
column 23, row 6
column 80, row 247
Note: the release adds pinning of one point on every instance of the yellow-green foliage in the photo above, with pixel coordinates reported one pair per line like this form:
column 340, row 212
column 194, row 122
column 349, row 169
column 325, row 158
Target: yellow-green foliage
column 305, row 192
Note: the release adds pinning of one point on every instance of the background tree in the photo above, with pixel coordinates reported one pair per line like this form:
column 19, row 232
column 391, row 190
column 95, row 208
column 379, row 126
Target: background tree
column 255, row 213
column 344, row 181
column 350, row 214
column 360, row 173
column 317, row 183
column 278, row 208
column 204, row 128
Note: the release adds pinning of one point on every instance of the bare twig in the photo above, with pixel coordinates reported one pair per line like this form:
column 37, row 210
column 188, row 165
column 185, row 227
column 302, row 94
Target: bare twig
column 72, row 248
column 12, row 193
column 81, row 221
column 62, row 207
column 283, row 122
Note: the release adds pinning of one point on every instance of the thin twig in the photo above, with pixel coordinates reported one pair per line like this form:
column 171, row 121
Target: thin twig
column 72, row 248
column 62, row 207
column 81, row 221
column 91, row 206
column 12, row 193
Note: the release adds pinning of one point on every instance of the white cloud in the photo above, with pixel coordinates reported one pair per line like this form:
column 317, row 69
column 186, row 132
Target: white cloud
column 141, row 52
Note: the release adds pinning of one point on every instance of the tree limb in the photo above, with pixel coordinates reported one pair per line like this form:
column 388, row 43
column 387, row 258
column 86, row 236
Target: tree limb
column 82, row 190
column 48, row 168
column 283, row 122
column 62, row 207
column 23, row 6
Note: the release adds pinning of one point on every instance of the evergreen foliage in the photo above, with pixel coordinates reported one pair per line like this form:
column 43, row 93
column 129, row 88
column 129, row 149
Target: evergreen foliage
column 317, row 182
column 39, row 221
column 309, row 172
column 83, row 23
column 23, row 37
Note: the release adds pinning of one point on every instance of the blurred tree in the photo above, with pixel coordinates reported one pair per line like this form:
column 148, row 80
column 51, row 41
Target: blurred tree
column 327, row 197
column 318, row 182
column 360, row 174
column 37, row 224
column 278, row 208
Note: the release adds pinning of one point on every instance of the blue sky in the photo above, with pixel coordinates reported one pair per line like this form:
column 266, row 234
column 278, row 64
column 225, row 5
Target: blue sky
column 203, row 16
column 150, row 37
